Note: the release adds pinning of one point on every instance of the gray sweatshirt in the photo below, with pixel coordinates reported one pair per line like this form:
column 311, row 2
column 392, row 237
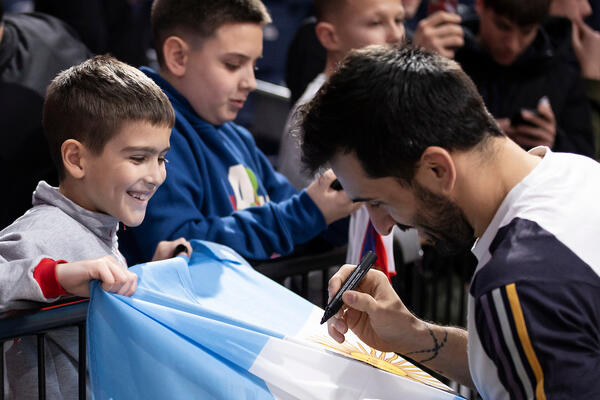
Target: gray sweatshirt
column 55, row 228
column 59, row 229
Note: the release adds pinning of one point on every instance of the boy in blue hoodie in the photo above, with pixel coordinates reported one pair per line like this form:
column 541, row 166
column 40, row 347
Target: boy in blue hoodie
column 221, row 187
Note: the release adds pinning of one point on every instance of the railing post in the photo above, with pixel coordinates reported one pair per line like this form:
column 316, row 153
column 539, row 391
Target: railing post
column 1, row 370
column 304, row 285
column 41, row 349
column 82, row 364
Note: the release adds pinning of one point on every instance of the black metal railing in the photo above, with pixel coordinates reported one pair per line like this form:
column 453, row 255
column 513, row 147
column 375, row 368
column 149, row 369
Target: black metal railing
column 37, row 322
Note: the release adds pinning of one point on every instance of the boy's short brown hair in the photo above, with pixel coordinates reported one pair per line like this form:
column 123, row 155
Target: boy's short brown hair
column 201, row 18
column 91, row 101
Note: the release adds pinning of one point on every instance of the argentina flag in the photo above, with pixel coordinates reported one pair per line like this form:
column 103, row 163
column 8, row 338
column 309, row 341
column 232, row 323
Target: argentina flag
column 211, row 327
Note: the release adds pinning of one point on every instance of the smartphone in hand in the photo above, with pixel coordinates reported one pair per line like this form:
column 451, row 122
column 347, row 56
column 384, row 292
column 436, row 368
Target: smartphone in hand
column 517, row 118
column 450, row 6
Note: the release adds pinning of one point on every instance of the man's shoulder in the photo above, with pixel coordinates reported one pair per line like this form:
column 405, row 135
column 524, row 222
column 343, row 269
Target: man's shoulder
column 524, row 251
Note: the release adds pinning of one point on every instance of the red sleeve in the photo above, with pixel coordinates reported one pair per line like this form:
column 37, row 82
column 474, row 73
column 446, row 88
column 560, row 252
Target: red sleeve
column 45, row 275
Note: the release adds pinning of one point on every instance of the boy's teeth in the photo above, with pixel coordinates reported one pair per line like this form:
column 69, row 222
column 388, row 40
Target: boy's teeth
column 139, row 196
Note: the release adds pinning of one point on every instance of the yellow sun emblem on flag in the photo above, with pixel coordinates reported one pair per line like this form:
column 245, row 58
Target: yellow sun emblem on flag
column 390, row 362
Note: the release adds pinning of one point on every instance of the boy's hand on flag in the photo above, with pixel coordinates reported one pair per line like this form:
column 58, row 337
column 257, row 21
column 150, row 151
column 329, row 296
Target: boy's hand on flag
column 75, row 277
column 166, row 248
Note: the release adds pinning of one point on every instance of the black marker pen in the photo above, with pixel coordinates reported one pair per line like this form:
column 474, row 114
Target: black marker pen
column 353, row 280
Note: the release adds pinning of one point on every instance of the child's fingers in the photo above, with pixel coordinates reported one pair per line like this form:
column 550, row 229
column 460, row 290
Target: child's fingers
column 130, row 284
column 327, row 178
column 134, row 285
column 181, row 245
column 114, row 277
column 105, row 275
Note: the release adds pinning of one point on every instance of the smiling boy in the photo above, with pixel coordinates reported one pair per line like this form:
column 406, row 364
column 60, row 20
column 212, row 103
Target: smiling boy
column 221, row 187
column 108, row 129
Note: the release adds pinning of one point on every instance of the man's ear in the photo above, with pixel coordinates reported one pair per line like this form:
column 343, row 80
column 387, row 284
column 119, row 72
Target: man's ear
column 327, row 35
column 73, row 158
column 436, row 171
column 175, row 54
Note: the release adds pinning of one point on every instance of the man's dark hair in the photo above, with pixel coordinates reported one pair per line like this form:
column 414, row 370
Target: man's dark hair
column 1, row 13
column 522, row 13
column 201, row 18
column 387, row 104
column 91, row 102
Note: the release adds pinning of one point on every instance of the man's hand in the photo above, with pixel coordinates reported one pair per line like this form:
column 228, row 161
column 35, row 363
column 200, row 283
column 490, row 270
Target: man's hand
column 586, row 45
column 541, row 132
column 75, row 277
column 374, row 312
column 334, row 204
column 166, row 248
column 440, row 32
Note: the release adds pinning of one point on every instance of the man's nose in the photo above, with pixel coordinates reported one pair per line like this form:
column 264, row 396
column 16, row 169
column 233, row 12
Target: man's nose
column 381, row 220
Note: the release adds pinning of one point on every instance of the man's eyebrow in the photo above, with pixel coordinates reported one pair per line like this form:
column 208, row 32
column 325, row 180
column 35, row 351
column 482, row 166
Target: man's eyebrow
column 403, row 227
column 361, row 199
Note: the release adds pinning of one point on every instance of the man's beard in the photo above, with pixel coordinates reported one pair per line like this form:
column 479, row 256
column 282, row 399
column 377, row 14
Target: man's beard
column 443, row 221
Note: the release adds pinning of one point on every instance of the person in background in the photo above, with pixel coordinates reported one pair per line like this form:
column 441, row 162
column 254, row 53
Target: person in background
column 33, row 49
column 344, row 25
column 306, row 57
column 118, row 27
column 221, row 187
column 439, row 31
column 517, row 62
column 586, row 46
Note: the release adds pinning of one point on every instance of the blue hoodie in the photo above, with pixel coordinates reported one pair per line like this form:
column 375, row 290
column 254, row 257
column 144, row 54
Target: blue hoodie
column 220, row 187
